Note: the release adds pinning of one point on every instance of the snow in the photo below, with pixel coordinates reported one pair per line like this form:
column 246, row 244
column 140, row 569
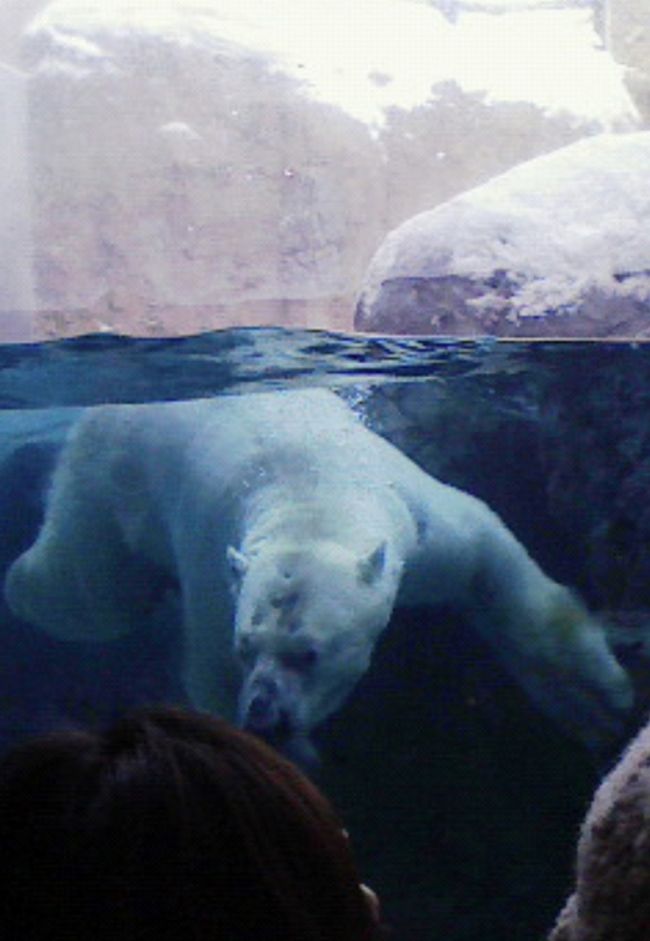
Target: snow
column 370, row 55
column 559, row 226
column 180, row 129
column 76, row 45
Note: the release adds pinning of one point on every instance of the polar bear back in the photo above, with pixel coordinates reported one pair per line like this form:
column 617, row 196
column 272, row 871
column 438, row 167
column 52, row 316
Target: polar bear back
column 176, row 483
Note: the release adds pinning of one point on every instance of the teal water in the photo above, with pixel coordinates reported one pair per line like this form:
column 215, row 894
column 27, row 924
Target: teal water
column 462, row 800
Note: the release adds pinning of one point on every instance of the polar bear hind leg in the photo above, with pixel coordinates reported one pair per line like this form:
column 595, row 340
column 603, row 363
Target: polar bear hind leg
column 86, row 598
column 79, row 581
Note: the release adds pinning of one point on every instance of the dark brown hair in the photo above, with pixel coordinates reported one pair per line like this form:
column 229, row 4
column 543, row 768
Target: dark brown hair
column 170, row 826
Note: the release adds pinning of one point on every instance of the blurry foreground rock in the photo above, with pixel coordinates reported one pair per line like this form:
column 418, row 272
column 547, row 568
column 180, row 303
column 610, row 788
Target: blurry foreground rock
column 559, row 246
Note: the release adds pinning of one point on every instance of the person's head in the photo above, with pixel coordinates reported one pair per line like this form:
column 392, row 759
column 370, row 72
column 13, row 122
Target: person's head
column 170, row 826
column 611, row 900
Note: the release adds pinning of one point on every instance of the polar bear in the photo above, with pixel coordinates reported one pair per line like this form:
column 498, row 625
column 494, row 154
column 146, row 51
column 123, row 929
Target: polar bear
column 292, row 531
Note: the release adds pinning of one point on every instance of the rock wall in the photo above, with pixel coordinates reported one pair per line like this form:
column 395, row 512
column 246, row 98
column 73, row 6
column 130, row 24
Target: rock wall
column 181, row 185
column 628, row 32
column 15, row 16
column 176, row 184
column 17, row 300
column 628, row 40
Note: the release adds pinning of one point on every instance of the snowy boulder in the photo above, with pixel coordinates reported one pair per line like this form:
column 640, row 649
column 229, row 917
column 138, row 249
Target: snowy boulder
column 199, row 164
column 559, row 246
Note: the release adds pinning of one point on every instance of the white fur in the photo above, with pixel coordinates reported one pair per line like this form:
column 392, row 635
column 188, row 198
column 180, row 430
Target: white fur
column 317, row 527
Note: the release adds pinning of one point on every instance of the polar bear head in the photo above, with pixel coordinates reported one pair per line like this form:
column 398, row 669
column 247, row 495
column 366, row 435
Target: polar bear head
column 307, row 619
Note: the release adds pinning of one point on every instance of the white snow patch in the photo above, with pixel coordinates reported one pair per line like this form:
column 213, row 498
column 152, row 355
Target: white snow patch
column 338, row 48
column 76, row 45
column 179, row 129
column 549, row 57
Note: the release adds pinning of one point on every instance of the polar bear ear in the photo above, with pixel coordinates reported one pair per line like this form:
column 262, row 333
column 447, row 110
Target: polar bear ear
column 237, row 563
column 370, row 568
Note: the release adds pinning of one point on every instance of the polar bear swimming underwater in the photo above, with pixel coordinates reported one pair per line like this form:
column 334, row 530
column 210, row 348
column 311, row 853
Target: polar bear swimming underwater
column 316, row 527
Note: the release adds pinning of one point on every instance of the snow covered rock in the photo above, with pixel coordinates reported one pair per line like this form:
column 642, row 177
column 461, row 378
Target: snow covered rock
column 201, row 164
column 559, row 246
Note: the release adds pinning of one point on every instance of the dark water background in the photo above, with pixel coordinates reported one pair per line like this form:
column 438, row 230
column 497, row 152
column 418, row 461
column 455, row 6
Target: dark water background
column 462, row 802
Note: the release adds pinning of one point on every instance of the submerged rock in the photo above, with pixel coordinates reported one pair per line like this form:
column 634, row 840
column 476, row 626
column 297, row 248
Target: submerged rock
column 558, row 246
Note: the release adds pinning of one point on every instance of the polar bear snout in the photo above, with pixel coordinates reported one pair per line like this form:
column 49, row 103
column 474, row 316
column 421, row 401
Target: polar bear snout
column 268, row 701
column 270, row 708
column 262, row 710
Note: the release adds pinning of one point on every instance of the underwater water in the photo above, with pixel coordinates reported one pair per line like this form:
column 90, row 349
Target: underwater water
column 461, row 795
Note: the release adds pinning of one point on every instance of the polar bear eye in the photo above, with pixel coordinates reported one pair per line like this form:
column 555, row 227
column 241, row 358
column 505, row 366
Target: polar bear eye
column 286, row 602
column 300, row 661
